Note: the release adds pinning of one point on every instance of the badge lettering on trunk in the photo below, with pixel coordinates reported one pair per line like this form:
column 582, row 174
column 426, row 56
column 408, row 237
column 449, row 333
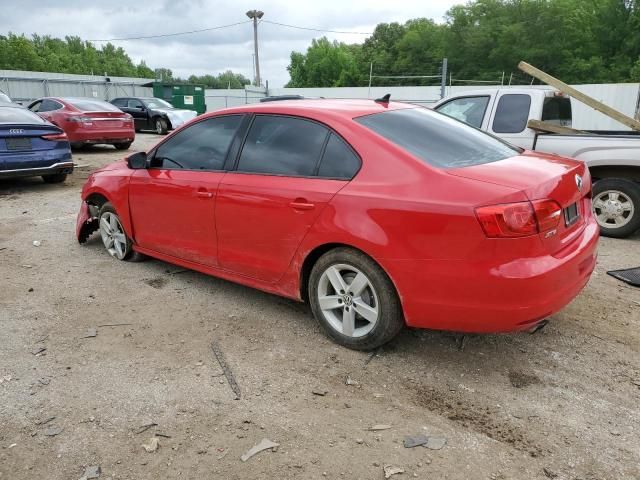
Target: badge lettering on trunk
column 579, row 182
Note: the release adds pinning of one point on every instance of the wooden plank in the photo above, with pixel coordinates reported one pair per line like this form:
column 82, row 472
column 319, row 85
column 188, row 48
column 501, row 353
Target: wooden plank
column 586, row 99
column 552, row 128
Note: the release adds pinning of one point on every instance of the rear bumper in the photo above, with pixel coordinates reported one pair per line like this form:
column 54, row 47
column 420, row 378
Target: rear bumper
column 60, row 167
column 102, row 136
column 489, row 298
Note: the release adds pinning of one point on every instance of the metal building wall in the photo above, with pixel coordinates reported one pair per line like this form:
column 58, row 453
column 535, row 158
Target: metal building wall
column 24, row 86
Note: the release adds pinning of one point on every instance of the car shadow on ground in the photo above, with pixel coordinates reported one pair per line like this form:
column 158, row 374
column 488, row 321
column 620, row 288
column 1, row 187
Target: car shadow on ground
column 14, row 186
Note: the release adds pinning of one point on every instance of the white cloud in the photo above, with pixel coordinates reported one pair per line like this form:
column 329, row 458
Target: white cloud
column 214, row 51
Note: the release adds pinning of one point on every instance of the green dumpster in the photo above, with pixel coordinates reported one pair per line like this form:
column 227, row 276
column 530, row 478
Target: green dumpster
column 181, row 95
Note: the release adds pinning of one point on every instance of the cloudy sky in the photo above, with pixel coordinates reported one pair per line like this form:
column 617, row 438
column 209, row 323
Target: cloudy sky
column 213, row 51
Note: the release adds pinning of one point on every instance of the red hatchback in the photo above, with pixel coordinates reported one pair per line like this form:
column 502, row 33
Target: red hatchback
column 378, row 214
column 87, row 120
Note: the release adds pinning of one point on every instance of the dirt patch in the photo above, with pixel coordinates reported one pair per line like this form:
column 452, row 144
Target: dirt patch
column 522, row 379
column 480, row 418
column 157, row 282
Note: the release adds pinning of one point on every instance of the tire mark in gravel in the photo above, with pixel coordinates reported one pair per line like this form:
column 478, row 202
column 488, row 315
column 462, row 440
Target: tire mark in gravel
column 481, row 419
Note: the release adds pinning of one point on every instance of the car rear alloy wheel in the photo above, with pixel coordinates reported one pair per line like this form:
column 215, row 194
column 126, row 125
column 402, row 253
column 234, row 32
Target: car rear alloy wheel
column 616, row 205
column 113, row 235
column 348, row 300
column 354, row 300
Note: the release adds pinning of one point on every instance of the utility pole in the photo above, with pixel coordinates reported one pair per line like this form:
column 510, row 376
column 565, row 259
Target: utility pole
column 443, row 78
column 255, row 15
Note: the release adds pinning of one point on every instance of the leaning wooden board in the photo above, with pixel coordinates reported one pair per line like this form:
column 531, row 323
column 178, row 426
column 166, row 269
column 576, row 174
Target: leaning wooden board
column 586, row 99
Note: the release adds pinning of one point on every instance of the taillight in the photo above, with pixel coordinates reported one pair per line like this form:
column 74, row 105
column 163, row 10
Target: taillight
column 508, row 220
column 56, row 137
column 520, row 219
column 79, row 119
column 548, row 214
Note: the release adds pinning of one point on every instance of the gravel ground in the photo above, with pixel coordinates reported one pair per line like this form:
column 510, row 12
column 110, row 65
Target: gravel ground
column 563, row 403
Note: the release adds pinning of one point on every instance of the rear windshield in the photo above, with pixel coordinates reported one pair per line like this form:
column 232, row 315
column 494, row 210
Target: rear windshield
column 557, row 110
column 19, row 116
column 438, row 139
column 88, row 105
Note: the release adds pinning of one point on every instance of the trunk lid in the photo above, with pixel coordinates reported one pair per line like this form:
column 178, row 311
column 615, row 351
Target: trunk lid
column 107, row 120
column 539, row 177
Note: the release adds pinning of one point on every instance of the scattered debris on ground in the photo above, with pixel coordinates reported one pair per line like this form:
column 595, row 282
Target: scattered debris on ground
column 91, row 472
column 53, row 430
column 90, row 333
column 265, row 444
column 415, row 441
column 375, row 428
column 390, row 470
column 152, row 445
column 225, row 368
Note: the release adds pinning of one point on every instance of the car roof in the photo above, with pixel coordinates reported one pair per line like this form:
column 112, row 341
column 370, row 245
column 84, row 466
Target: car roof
column 346, row 108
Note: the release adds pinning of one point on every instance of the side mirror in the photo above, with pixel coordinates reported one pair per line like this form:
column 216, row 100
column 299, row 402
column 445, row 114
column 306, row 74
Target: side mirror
column 137, row 161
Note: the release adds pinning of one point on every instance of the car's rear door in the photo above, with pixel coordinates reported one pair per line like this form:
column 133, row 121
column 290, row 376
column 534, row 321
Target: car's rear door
column 268, row 203
column 173, row 202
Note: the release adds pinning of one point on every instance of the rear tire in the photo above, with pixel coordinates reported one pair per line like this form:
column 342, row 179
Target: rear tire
column 54, row 178
column 354, row 300
column 616, row 206
column 122, row 146
column 161, row 126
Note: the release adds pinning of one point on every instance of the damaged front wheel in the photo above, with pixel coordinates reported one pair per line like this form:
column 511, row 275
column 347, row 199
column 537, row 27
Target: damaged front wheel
column 113, row 235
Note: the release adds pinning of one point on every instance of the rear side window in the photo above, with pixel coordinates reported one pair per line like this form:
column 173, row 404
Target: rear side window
column 557, row 110
column 120, row 102
column 278, row 145
column 88, row 105
column 338, row 160
column 512, row 113
column 201, row 146
column 17, row 115
column 49, row 105
column 466, row 109
column 437, row 139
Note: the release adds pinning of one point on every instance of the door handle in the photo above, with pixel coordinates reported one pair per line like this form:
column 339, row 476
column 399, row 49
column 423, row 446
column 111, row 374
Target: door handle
column 301, row 204
column 204, row 194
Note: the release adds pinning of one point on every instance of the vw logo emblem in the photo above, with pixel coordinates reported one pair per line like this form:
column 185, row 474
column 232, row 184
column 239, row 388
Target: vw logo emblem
column 579, row 182
column 16, row 131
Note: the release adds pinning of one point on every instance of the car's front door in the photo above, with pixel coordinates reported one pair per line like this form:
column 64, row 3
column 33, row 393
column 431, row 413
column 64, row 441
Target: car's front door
column 268, row 203
column 173, row 201
column 138, row 111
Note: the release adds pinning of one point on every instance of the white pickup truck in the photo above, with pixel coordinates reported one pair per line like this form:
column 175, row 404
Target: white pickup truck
column 613, row 157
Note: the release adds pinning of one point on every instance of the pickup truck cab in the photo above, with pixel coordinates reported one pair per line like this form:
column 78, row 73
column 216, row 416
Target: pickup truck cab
column 613, row 157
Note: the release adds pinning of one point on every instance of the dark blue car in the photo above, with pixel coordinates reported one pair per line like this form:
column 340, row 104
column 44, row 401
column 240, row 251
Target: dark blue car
column 31, row 146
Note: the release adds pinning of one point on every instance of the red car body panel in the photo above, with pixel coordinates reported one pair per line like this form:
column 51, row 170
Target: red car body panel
column 103, row 127
column 418, row 222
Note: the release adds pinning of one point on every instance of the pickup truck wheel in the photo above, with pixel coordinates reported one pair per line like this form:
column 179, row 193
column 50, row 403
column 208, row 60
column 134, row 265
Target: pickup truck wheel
column 616, row 205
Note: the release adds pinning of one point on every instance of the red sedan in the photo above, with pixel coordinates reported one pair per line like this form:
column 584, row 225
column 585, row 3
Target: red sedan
column 87, row 120
column 378, row 214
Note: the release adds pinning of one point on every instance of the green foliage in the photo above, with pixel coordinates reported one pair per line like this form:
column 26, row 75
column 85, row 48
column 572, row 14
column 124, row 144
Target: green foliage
column 226, row 79
column 578, row 41
column 72, row 55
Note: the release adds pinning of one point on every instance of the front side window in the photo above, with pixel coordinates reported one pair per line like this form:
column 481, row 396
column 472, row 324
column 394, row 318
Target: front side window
column 135, row 103
column 202, row 146
column 338, row 160
column 512, row 113
column 278, row 145
column 436, row 139
column 466, row 109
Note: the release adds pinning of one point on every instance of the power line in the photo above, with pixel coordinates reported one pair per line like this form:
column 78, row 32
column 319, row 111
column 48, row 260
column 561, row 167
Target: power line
column 170, row 34
column 315, row 29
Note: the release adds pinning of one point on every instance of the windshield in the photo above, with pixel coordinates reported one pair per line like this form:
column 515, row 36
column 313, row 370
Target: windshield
column 437, row 139
column 90, row 105
column 18, row 116
column 156, row 103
